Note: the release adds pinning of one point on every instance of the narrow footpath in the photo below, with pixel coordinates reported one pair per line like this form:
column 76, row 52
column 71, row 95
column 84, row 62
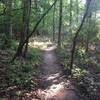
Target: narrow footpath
column 54, row 85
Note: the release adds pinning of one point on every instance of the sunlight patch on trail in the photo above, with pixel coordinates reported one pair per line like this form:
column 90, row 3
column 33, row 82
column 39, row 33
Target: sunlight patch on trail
column 41, row 43
column 54, row 91
column 57, row 88
column 53, row 84
column 50, row 48
column 53, row 76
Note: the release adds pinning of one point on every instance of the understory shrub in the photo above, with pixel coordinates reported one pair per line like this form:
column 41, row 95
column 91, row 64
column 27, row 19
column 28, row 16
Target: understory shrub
column 63, row 57
column 34, row 55
column 11, row 44
column 23, row 72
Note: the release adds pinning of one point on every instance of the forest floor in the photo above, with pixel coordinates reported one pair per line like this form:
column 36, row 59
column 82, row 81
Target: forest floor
column 53, row 83
column 51, row 77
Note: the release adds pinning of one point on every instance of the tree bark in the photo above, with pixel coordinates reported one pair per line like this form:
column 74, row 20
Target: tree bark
column 8, row 21
column 60, row 23
column 76, row 35
column 26, row 4
column 28, row 8
column 77, row 9
column 70, row 21
column 20, row 47
column 54, row 23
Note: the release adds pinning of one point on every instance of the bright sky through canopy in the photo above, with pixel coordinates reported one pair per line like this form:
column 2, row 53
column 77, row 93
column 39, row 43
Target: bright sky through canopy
column 83, row 1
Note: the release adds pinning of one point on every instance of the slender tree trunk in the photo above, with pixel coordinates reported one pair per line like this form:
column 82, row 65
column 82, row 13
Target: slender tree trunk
column 70, row 21
column 77, row 10
column 20, row 47
column 87, row 44
column 44, row 18
column 60, row 23
column 8, row 21
column 27, row 26
column 76, row 35
column 95, row 9
column 37, row 14
column 54, row 23
column 88, row 33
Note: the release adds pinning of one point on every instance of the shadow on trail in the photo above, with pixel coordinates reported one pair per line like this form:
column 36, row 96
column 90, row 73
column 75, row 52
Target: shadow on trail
column 53, row 83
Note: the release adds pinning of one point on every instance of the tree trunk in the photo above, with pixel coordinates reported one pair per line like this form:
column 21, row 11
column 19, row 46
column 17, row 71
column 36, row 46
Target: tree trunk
column 21, row 45
column 54, row 23
column 8, row 21
column 76, row 35
column 27, row 25
column 70, row 16
column 60, row 23
column 77, row 10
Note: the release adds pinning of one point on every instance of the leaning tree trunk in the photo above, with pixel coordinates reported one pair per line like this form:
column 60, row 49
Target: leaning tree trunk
column 25, row 27
column 76, row 35
column 21, row 45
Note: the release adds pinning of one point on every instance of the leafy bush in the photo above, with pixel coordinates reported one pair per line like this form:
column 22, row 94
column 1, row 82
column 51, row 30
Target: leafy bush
column 13, row 45
column 98, row 68
column 62, row 53
column 63, row 57
column 79, row 73
column 34, row 55
column 2, row 40
column 82, row 57
column 21, row 74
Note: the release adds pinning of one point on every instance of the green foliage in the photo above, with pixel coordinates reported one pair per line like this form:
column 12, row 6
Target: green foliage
column 98, row 68
column 79, row 72
column 2, row 37
column 13, row 45
column 81, row 51
column 80, row 54
column 63, row 57
column 34, row 55
column 21, row 74
column 62, row 52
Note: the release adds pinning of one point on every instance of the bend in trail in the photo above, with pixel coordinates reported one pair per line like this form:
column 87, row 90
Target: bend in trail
column 54, row 85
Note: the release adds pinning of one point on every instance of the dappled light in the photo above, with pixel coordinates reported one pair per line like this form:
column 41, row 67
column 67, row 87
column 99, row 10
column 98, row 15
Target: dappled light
column 49, row 49
column 42, row 43
column 54, row 91
column 54, row 84
column 53, row 76
column 53, row 47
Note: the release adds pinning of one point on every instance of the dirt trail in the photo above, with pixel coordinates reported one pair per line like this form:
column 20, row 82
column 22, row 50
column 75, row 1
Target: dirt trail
column 54, row 85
